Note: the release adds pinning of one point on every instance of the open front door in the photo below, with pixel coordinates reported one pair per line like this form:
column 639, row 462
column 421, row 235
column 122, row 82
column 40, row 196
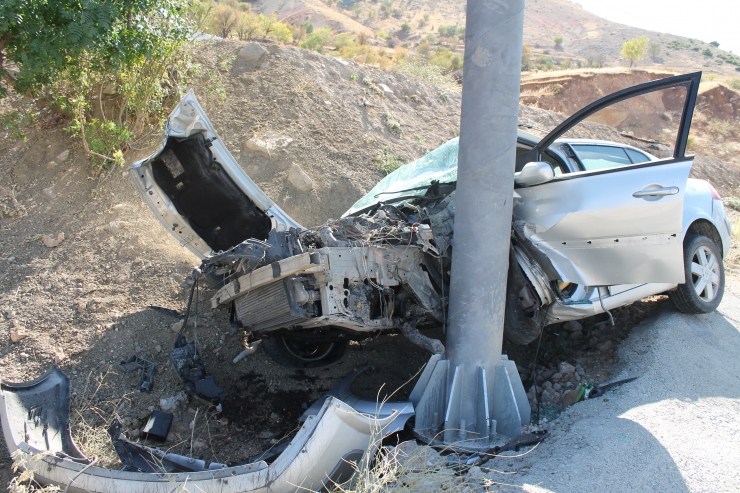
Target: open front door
column 616, row 218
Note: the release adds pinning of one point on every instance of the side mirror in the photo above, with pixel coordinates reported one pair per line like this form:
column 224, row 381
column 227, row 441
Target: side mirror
column 534, row 174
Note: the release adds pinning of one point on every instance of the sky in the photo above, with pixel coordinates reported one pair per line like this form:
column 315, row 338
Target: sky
column 705, row 20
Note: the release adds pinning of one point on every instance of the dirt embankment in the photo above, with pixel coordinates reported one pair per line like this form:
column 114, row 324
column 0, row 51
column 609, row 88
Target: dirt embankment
column 343, row 124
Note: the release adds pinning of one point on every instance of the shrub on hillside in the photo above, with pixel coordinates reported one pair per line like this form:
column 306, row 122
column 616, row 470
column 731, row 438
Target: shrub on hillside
column 446, row 59
column 317, row 39
column 653, row 49
column 223, row 20
column 634, row 49
column 421, row 68
column 450, row 31
column 526, row 57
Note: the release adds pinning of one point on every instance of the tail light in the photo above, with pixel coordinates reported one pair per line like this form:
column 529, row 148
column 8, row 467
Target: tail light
column 713, row 191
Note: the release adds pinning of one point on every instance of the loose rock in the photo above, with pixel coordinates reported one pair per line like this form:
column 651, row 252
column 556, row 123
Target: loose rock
column 411, row 456
column 178, row 325
column 567, row 368
column 59, row 355
column 170, row 404
column 268, row 143
column 51, row 241
column 62, row 156
column 605, row 346
column 299, row 179
column 569, row 398
column 251, row 57
column 386, row 90
column 17, row 334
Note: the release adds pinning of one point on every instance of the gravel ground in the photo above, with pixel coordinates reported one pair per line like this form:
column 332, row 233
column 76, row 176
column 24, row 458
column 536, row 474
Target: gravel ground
column 675, row 428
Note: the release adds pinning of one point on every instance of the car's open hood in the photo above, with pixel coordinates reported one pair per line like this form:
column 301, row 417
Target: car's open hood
column 198, row 190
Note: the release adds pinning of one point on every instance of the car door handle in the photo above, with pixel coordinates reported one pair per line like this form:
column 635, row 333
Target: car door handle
column 656, row 192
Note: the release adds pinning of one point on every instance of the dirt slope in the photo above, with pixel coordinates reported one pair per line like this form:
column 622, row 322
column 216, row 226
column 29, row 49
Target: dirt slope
column 338, row 118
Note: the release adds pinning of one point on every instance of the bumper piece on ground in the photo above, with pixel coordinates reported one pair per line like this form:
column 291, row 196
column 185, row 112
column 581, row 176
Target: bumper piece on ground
column 35, row 421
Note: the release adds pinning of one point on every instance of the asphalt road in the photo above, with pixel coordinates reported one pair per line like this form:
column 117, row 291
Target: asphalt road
column 674, row 429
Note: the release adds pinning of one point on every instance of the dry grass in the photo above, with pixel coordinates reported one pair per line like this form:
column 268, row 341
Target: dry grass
column 24, row 482
column 90, row 420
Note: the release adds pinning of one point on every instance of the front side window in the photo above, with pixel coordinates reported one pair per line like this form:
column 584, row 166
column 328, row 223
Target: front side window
column 596, row 157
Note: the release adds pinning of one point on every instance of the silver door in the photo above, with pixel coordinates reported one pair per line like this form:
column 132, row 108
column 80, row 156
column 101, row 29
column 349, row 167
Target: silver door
column 618, row 225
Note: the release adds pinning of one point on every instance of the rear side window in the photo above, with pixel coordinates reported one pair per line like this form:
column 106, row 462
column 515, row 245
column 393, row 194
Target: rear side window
column 636, row 156
column 596, row 157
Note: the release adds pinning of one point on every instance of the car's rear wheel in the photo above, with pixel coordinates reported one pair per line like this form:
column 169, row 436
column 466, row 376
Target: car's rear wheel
column 705, row 277
column 298, row 352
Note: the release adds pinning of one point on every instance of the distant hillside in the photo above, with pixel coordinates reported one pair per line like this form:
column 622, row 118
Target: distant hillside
column 586, row 37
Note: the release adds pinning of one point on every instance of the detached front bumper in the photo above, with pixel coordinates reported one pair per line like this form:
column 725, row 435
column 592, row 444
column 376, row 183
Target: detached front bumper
column 35, row 421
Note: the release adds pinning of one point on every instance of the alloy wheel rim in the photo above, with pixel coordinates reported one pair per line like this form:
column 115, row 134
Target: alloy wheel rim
column 705, row 274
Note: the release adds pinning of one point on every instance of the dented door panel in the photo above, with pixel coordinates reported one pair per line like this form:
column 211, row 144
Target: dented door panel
column 595, row 232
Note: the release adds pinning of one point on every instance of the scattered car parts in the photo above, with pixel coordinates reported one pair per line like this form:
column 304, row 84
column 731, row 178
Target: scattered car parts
column 36, row 426
column 191, row 370
column 158, row 426
column 146, row 379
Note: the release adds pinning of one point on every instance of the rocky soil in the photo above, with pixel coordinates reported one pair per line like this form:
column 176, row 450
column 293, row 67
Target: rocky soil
column 82, row 258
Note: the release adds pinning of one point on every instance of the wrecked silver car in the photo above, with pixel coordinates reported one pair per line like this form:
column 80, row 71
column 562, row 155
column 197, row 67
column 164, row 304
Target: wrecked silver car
column 596, row 225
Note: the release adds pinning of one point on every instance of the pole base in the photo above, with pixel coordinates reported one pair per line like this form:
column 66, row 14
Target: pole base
column 500, row 401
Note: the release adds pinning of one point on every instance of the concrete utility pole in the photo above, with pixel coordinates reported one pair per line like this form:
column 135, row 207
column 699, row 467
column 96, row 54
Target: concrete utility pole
column 476, row 393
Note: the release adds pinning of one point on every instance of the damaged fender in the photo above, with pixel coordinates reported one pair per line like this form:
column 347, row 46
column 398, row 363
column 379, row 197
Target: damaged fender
column 35, row 421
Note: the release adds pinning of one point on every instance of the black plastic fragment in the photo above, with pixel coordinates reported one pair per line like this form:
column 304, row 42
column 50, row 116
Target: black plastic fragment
column 167, row 311
column 251, row 251
column 146, row 379
column 139, row 458
column 158, row 426
column 192, row 372
column 600, row 390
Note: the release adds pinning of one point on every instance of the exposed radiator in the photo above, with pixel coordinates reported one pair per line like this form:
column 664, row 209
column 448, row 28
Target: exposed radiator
column 265, row 308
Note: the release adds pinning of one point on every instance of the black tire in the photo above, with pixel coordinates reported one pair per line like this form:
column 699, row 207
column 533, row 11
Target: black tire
column 296, row 352
column 710, row 268
column 521, row 326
